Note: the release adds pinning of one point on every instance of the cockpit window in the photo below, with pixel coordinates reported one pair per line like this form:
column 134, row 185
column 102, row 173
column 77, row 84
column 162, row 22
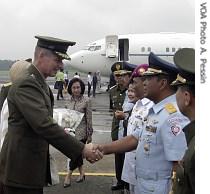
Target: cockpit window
column 93, row 48
column 98, row 48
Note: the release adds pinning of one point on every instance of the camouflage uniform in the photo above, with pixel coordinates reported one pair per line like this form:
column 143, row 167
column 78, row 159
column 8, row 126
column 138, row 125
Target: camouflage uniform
column 117, row 95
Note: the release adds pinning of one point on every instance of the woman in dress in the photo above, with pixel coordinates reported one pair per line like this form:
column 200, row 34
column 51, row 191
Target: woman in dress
column 84, row 131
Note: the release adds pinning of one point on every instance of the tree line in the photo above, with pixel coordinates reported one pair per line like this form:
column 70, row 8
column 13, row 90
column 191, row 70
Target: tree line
column 5, row 64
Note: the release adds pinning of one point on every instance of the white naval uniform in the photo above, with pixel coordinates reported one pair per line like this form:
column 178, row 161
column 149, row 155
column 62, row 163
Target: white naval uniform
column 161, row 142
column 136, row 120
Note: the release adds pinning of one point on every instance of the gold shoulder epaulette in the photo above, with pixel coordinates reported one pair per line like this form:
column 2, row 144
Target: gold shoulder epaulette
column 7, row 84
column 170, row 108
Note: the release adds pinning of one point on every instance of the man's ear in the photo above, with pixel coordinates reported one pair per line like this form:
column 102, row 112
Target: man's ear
column 41, row 54
column 187, row 98
column 163, row 83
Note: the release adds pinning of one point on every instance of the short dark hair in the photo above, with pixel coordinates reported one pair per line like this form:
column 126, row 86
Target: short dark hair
column 189, row 88
column 169, row 78
column 82, row 85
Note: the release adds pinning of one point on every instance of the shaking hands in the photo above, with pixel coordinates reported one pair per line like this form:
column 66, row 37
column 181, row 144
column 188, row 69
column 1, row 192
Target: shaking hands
column 92, row 152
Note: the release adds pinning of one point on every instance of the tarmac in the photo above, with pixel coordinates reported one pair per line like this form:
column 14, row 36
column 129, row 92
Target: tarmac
column 100, row 176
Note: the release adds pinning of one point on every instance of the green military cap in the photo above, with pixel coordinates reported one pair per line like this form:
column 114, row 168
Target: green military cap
column 185, row 61
column 122, row 68
column 58, row 46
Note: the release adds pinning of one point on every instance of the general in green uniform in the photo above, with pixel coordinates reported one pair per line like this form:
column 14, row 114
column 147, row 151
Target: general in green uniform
column 185, row 172
column 24, row 158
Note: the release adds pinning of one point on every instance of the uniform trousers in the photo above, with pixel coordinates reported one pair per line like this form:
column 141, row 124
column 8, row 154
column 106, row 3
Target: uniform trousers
column 119, row 161
column 4, row 189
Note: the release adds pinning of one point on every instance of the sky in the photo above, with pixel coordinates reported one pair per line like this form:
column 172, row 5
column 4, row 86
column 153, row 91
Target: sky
column 85, row 21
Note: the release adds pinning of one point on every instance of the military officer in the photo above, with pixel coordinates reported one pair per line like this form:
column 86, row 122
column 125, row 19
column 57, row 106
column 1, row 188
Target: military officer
column 136, row 120
column 161, row 143
column 122, row 74
column 185, row 81
column 24, row 158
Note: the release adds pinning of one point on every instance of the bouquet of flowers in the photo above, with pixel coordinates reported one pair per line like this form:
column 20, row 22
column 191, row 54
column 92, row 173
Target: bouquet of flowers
column 69, row 119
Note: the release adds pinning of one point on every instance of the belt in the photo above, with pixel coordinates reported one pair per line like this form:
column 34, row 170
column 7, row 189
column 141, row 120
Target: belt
column 153, row 175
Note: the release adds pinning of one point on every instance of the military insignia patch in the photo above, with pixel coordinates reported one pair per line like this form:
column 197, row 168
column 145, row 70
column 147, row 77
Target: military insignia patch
column 175, row 130
column 118, row 67
column 141, row 71
column 152, row 129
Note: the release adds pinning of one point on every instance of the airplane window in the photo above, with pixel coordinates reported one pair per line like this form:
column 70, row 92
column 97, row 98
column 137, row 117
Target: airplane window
column 98, row 48
column 149, row 49
column 91, row 48
column 142, row 49
column 173, row 49
column 167, row 49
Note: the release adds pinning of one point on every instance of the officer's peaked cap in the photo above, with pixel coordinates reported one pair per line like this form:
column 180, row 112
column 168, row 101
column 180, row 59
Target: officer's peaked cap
column 158, row 66
column 58, row 46
column 122, row 67
column 185, row 61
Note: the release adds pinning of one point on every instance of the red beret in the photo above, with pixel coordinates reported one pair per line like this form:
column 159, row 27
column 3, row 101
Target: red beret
column 139, row 70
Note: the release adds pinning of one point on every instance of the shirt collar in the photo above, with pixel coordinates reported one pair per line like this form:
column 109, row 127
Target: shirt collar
column 145, row 101
column 159, row 106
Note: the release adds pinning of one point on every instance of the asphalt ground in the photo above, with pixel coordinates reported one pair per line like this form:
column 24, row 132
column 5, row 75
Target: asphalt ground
column 101, row 175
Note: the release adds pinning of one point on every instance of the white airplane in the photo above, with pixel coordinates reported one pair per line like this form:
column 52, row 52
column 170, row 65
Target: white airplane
column 133, row 48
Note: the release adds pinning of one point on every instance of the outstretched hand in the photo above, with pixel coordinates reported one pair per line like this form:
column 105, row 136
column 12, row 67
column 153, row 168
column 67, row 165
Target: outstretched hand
column 92, row 152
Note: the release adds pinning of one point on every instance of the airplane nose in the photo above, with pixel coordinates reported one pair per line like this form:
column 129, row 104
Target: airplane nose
column 76, row 60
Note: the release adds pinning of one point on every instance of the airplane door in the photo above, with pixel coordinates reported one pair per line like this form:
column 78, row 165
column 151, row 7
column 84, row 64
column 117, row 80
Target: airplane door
column 123, row 49
column 111, row 46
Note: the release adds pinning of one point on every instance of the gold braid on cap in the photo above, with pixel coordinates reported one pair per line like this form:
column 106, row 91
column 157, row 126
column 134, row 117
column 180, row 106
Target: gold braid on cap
column 151, row 71
column 181, row 79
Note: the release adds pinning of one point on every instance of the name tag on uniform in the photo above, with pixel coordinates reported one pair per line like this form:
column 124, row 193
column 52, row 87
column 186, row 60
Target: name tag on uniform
column 151, row 129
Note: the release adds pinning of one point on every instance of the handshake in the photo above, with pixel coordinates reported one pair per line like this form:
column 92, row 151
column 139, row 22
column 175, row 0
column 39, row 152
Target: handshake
column 93, row 152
